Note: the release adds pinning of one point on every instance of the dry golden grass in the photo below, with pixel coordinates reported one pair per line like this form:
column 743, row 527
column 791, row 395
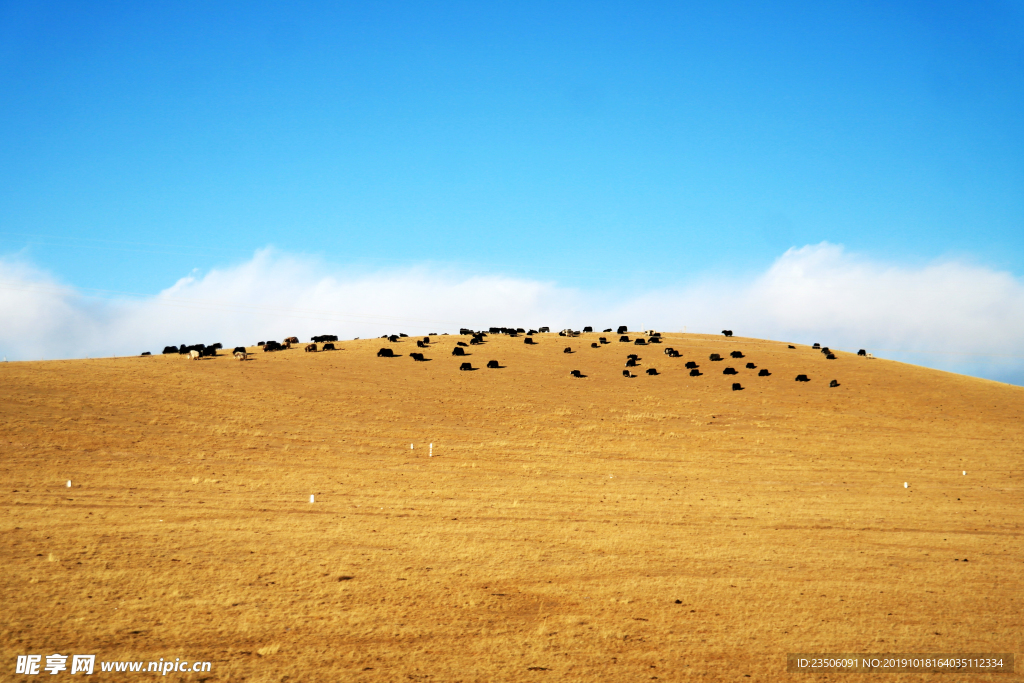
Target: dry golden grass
column 597, row 529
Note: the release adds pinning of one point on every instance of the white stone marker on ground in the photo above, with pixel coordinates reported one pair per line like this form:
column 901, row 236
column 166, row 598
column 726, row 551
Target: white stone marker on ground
column 905, row 484
column 311, row 498
column 69, row 483
column 430, row 453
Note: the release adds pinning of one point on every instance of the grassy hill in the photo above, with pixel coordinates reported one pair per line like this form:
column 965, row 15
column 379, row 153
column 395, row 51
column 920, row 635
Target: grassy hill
column 597, row 529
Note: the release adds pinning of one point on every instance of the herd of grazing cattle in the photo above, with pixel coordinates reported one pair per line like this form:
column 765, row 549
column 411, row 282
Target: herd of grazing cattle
column 326, row 341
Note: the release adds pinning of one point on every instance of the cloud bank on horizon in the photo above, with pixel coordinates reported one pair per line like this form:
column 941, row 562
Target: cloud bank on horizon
column 948, row 315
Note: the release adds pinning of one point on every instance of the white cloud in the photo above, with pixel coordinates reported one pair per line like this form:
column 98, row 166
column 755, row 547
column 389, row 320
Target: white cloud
column 950, row 315
column 271, row 296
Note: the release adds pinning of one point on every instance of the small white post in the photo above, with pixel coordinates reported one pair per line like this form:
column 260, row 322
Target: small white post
column 431, row 453
column 410, row 447
column 965, row 473
column 905, row 485
column 311, row 498
column 69, row 483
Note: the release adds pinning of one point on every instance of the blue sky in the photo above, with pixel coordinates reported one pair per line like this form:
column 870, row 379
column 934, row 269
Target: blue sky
column 600, row 146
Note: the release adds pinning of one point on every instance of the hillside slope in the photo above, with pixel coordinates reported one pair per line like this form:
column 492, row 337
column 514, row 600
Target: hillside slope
column 602, row 528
